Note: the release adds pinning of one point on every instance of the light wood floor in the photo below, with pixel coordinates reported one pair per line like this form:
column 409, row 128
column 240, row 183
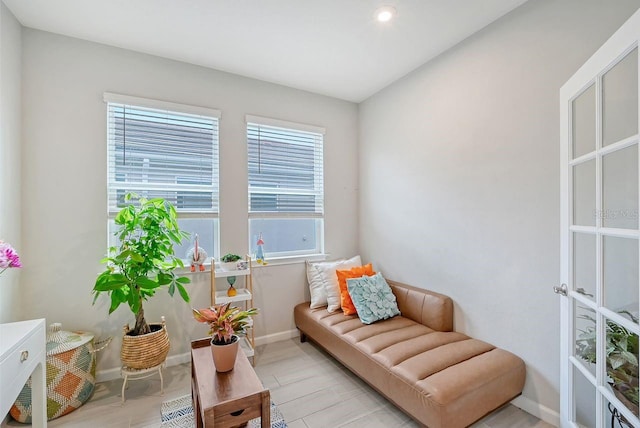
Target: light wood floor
column 310, row 388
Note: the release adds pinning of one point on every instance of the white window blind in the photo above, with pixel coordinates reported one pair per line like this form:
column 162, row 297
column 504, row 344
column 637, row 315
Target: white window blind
column 285, row 172
column 163, row 153
column 165, row 150
column 286, row 187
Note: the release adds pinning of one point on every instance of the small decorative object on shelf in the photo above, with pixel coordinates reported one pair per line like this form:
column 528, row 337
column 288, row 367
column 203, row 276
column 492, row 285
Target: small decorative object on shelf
column 226, row 322
column 231, row 291
column 197, row 256
column 260, row 251
column 229, row 262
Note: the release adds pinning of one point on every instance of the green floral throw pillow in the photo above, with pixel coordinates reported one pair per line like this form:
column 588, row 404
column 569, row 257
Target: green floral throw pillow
column 372, row 298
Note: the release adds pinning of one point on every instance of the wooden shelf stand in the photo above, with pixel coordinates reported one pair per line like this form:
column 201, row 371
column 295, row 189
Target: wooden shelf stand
column 243, row 296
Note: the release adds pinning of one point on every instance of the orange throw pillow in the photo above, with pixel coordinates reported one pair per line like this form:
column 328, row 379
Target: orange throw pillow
column 343, row 275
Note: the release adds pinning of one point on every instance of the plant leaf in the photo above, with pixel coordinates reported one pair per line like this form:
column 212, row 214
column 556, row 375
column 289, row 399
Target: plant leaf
column 146, row 283
column 164, row 279
column 117, row 297
column 183, row 292
column 110, row 281
column 616, row 361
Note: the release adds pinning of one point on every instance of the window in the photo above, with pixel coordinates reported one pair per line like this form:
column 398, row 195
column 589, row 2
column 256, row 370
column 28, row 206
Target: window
column 165, row 150
column 286, row 192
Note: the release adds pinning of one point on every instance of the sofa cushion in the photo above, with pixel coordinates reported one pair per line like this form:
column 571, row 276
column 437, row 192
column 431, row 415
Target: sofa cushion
column 402, row 350
column 355, row 272
column 316, row 286
column 330, row 279
column 416, row 367
column 376, row 343
column 372, row 298
column 366, row 331
column 322, row 277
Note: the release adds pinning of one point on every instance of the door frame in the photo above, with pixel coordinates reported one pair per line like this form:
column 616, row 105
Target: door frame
column 619, row 44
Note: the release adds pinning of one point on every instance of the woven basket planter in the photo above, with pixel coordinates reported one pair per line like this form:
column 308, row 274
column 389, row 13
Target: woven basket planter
column 147, row 350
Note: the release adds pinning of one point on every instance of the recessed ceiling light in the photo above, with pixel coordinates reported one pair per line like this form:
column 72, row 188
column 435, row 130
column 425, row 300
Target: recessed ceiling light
column 385, row 13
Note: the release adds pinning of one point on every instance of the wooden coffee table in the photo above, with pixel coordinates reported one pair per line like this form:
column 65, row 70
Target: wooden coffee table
column 223, row 400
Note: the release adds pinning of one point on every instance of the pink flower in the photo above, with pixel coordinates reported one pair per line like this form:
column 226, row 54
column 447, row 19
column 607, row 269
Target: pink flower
column 8, row 257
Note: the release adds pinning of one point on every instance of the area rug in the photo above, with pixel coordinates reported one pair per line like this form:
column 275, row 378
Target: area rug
column 178, row 413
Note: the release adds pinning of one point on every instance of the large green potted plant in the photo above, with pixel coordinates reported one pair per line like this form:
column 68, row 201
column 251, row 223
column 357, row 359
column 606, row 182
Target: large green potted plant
column 143, row 262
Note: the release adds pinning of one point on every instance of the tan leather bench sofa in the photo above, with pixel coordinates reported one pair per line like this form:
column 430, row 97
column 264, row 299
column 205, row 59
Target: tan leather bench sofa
column 439, row 377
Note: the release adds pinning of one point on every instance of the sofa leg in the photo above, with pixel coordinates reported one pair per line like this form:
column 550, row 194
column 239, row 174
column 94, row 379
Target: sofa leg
column 303, row 337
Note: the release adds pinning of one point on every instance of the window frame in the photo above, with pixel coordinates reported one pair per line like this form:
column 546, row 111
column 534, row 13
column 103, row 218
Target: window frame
column 318, row 216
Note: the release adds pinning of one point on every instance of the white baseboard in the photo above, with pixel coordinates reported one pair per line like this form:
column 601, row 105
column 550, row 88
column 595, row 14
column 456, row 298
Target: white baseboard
column 174, row 360
column 277, row 337
column 544, row 413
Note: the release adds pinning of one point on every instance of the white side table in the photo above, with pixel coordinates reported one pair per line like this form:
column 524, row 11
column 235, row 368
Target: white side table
column 23, row 354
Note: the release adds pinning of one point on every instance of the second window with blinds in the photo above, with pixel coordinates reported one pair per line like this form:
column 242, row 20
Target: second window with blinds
column 286, row 187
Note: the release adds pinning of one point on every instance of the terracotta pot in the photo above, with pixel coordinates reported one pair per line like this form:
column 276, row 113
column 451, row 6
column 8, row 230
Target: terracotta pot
column 224, row 356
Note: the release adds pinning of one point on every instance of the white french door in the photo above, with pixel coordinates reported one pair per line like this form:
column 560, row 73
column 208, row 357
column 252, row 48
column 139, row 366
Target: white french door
column 600, row 237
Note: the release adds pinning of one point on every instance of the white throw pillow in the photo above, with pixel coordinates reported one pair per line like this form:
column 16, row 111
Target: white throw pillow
column 317, row 287
column 330, row 279
column 322, row 276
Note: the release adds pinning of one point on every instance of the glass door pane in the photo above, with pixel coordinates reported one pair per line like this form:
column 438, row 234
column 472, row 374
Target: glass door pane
column 584, row 400
column 584, row 122
column 585, row 336
column 584, row 264
column 613, row 418
column 620, row 189
column 620, row 100
column 584, row 194
column 622, row 364
column 620, row 273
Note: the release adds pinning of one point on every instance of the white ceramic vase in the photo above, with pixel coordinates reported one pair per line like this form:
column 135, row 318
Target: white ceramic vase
column 227, row 266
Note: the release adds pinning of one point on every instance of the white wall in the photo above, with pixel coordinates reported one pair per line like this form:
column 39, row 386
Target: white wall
column 459, row 176
column 10, row 158
column 64, row 182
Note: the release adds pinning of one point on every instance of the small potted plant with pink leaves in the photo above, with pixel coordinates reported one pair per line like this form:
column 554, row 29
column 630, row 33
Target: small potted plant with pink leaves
column 226, row 322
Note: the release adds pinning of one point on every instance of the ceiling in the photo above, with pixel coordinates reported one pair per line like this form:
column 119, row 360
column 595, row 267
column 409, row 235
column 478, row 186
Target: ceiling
column 330, row 47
